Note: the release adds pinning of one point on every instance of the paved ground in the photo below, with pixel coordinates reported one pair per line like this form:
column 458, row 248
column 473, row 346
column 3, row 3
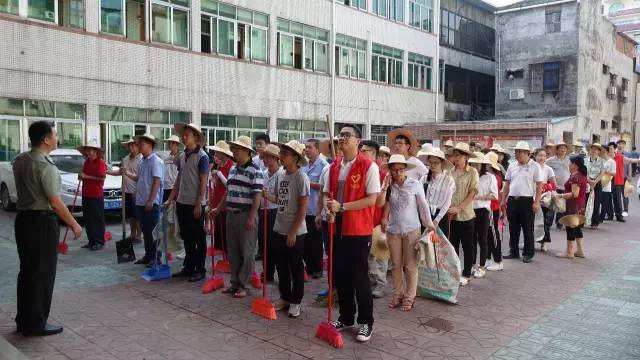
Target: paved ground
column 549, row 309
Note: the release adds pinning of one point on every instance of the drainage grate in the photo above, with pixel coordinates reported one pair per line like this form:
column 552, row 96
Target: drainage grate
column 438, row 324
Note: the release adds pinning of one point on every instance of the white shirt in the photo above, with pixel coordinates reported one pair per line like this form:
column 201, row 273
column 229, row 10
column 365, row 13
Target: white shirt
column 547, row 173
column 271, row 186
column 171, row 171
column 130, row 165
column 487, row 185
column 523, row 178
column 372, row 181
column 610, row 166
column 407, row 205
column 324, row 179
column 439, row 193
column 417, row 172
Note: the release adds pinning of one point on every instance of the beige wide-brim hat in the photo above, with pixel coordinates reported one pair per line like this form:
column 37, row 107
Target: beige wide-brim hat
column 628, row 189
column 90, row 145
column 147, row 137
column 325, row 147
column 598, row 146
column 605, row 179
column 479, row 158
column 221, row 147
column 572, row 221
column 379, row 247
column 385, row 149
column 297, row 148
column 173, row 138
column 425, row 149
column 243, row 142
column 415, row 146
column 448, row 143
column 577, row 144
column 437, row 153
column 561, row 143
column 129, row 142
column 464, row 148
column 272, row 150
column 180, row 127
column 493, row 159
column 522, row 145
column 550, row 144
column 399, row 159
column 498, row 148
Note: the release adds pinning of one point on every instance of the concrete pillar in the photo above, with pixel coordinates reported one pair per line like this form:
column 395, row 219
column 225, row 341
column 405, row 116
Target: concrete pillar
column 23, row 8
column 92, row 16
column 405, row 67
column 92, row 123
column 273, row 128
column 273, row 39
column 195, row 26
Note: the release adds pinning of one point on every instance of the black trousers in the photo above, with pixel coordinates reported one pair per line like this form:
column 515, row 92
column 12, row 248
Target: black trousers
column 38, row 258
column 313, row 246
column 220, row 231
column 547, row 215
column 165, row 194
column 481, row 230
column 606, row 211
column 194, row 237
column 290, row 268
column 148, row 221
column 574, row 233
column 351, row 265
column 462, row 233
column 494, row 241
column 521, row 217
column 595, row 217
column 443, row 224
column 617, row 192
column 93, row 217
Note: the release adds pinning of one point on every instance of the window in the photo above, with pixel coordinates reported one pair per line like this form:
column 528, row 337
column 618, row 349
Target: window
column 291, row 129
column 71, row 13
column 42, row 10
column 111, row 16
column 351, row 55
column 114, row 14
column 552, row 19
column 9, row 7
column 391, row 9
column 358, row 4
column 419, row 74
column 386, row 64
column 228, row 127
column 170, row 22
column 466, row 35
column 441, row 76
column 9, row 138
column 545, row 77
column 302, row 46
column 421, row 14
column 234, row 31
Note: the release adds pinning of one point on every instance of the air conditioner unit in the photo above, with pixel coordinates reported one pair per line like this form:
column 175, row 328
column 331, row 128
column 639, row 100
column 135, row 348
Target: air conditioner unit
column 50, row 15
column 612, row 91
column 516, row 94
column 623, row 95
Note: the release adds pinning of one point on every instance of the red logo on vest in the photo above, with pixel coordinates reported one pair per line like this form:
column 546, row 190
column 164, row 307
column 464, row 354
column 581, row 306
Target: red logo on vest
column 355, row 181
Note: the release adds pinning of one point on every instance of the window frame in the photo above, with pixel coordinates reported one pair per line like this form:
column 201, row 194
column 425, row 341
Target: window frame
column 303, row 37
column 466, row 35
column 424, row 66
column 547, row 71
column 353, row 46
column 421, row 6
column 379, row 56
column 172, row 7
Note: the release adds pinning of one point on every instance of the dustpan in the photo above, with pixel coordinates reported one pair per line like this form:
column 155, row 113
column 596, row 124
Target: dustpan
column 159, row 272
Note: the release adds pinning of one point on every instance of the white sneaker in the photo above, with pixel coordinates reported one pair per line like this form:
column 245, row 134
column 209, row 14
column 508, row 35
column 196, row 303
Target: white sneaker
column 464, row 281
column 625, row 214
column 281, row 305
column 539, row 239
column 181, row 254
column 544, row 247
column 496, row 267
column 489, row 263
column 294, row 310
column 480, row 272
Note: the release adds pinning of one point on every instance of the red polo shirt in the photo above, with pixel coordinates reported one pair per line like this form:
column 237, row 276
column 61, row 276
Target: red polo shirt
column 93, row 188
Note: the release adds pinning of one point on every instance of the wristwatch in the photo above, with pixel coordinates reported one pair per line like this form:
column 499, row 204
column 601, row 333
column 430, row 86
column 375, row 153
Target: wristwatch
column 341, row 208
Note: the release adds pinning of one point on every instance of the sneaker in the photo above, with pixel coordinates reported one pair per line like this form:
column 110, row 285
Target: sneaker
column 294, row 310
column 464, row 281
column 488, row 263
column 378, row 292
column 480, row 272
column 339, row 325
column 544, row 247
column 281, row 305
column 496, row 267
column 181, row 254
column 540, row 239
column 364, row 332
column 625, row 214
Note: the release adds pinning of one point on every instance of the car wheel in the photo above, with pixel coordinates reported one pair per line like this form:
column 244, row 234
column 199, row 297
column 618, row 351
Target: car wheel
column 7, row 205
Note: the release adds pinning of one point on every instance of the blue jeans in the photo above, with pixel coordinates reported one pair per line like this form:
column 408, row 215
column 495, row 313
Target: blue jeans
column 148, row 221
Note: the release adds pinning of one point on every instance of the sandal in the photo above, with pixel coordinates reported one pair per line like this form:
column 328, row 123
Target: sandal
column 240, row 293
column 407, row 305
column 230, row 290
column 395, row 302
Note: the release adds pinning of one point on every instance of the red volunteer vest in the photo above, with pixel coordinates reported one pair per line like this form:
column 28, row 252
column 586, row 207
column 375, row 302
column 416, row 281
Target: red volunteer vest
column 379, row 210
column 356, row 222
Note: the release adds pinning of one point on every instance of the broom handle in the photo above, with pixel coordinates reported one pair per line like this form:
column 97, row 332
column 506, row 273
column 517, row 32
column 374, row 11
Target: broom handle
column 330, row 302
column 75, row 198
column 264, row 251
column 122, row 205
column 212, row 229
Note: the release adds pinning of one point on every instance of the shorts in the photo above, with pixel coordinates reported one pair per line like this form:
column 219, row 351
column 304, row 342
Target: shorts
column 130, row 206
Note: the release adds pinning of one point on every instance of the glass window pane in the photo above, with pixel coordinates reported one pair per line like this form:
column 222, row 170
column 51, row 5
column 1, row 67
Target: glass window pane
column 260, row 123
column 184, row 3
column 282, row 124
column 39, row 108
column 244, row 122
column 227, row 121
column 260, row 19
column 283, row 137
column 11, row 107
column 9, row 7
column 323, row 35
column 411, row 75
column 295, row 124
column 69, row 111
column 344, row 62
column 226, row 37
column 244, row 133
column 353, row 60
column 296, row 28
column 9, row 139
column 322, row 58
column 180, row 28
column 309, row 31
column 158, row 117
column 258, row 44
column 133, row 115
column 42, row 10
column 110, row 113
column 209, row 6
column 362, row 65
column 383, row 70
column 224, row 135
column 161, row 26
column 69, row 135
column 119, row 134
column 160, row 133
column 398, row 71
column 286, row 50
column 179, row 117
column 374, row 68
column 209, row 120
column 283, row 25
column 228, row 11
column 308, row 125
column 111, row 15
column 244, row 15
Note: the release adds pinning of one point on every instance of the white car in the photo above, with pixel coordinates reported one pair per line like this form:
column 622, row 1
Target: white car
column 69, row 163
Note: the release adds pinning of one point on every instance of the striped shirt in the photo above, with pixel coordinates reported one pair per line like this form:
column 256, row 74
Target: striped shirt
column 243, row 183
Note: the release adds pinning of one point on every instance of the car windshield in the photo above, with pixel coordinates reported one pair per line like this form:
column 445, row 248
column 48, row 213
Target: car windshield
column 69, row 163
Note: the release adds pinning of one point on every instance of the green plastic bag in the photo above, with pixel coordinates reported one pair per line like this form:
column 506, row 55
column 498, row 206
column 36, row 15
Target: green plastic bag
column 438, row 268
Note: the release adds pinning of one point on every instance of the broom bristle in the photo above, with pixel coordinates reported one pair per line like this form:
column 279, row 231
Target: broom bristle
column 212, row 284
column 330, row 334
column 263, row 307
column 223, row 266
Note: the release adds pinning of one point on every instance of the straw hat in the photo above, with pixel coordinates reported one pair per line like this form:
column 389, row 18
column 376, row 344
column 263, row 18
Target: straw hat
column 180, row 127
column 549, row 144
column 572, row 221
column 385, row 149
column 493, row 160
column 415, row 146
column 578, row 144
column 605, row 179
column 561, row 143
column 399, row 159
column 173, row 138
column 379, row 247
column 243, row 142
column 222, row 147
column 272, row 150
column 129, row 142
column 90, row 145
column 435, row 152
column 479, row 158
column 464, row 148
column 498, row 148
column 297, row 148
column 522, row 145
column 325, row 147
column 597, row 145
column 448, row 143
column 425, row 149
column 628, row 189
column 149, row 137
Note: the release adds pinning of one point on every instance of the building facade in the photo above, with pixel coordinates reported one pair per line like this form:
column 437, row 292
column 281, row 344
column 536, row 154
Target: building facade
column 112, row 69
column 625, row 15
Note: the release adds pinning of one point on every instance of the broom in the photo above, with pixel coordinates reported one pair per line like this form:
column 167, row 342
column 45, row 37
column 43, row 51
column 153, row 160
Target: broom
column 216, row 281
column 63, row 248
column 326, row 331
column 262, row 306
column 223, row 265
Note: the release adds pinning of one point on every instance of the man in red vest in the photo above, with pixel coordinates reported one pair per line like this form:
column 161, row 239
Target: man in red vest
column 353, row 186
